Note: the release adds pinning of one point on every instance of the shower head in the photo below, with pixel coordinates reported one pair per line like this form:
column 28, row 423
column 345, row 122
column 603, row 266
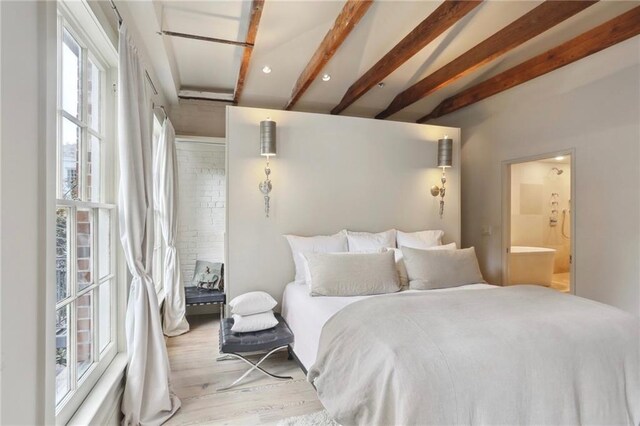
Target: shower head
column 557, row 170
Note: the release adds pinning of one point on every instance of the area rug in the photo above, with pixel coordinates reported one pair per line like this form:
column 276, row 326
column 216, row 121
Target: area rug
column 319, row 418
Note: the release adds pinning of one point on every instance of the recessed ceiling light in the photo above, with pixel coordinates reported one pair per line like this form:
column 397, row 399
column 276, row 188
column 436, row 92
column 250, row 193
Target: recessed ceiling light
column 266, row 69
column 326, row 77
column 559, row 158
column 381, row 84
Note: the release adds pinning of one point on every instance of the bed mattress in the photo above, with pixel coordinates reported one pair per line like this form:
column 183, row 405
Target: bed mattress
column 306, row 315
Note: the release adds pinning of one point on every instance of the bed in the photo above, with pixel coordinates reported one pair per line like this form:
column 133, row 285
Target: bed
column 306, row 316
column 470, row 354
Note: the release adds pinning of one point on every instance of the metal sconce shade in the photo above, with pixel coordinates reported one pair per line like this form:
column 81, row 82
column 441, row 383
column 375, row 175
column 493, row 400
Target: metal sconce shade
column 445, row 152
column 268, row 137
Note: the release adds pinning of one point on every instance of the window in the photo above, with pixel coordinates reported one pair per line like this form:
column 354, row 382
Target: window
column 85, row 282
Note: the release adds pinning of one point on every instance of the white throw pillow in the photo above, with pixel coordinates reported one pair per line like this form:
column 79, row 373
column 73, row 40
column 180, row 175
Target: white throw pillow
column 336, row 243
column 256, row 322
column 352, row 274
column 431, row 269
column 419, row 240
column 402, row 269
column 367, row 242
column 254, row 302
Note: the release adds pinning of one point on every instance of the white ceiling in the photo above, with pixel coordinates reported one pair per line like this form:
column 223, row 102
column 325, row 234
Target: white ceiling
column 290, row 32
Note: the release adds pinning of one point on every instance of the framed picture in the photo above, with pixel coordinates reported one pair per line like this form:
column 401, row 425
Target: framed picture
column 209, row 275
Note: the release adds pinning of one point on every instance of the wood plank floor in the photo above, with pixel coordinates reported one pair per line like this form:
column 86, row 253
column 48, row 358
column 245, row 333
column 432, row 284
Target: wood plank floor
column 196, row 375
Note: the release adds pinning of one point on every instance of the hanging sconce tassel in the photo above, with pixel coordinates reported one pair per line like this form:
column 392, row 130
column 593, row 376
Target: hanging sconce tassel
column 267, row 149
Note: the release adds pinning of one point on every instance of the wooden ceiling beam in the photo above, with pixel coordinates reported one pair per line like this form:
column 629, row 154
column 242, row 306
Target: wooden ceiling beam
column 601, row 37
column 254, row 21
column 346, row 21
column 528, row 26
column 445, row 16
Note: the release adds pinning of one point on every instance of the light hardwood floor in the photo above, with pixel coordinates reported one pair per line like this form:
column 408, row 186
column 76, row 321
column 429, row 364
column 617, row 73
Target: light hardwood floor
column 196, row 375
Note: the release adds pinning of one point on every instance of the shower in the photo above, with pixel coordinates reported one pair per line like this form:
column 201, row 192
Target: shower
column 557, row 170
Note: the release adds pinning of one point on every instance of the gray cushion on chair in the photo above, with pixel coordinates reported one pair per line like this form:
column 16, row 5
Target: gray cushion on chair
column 280, row 335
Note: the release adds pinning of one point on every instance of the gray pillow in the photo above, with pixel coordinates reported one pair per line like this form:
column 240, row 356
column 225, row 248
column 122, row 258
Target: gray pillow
column 431, row 269
column 352, row 274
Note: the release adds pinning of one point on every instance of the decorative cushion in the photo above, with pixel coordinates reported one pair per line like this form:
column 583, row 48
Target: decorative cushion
column 336, row 243
column 430, row 269
column 402, row 269
column 420, row 239
column 255, row 322
column 254, row 302
column 367, row 242
column 352, row 274
column 280, row 335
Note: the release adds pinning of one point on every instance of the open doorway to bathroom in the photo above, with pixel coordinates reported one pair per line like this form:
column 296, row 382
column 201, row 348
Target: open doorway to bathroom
column 539, row 228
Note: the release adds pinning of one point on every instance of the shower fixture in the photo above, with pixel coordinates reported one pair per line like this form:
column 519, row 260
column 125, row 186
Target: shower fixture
column 557, row 170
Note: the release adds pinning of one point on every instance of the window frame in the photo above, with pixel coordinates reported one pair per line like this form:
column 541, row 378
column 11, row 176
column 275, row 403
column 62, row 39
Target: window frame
column 82, row 25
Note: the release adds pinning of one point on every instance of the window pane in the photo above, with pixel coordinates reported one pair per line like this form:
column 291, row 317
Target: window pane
column 84, row 333
column 104, row 242
column 70, row 160
column 71, row 75
column 62, row 253
column 93, row 88
column 104, row 314
column 63, row 378
column 93, row 170
column 84, row 248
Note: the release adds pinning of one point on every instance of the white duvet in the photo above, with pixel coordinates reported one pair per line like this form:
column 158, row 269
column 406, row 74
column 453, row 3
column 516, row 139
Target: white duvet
column 516, row 355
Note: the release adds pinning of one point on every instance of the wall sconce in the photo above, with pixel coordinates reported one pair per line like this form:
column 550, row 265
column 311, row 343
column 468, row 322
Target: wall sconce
column 445, row 158
column 267, row 149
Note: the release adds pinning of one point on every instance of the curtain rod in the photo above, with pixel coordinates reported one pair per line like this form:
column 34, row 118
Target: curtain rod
column 119, row 17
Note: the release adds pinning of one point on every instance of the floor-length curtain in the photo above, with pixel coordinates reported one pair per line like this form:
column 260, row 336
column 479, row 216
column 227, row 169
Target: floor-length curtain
column 165, row 174
column 148, row 398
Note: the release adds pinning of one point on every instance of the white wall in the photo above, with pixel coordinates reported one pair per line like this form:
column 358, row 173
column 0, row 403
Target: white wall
column 592, row 106
column 330, row 173
column 27, row 169
column 201, row 204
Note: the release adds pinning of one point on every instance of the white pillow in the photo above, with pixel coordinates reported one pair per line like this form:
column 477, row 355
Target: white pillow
column 430, row 269
column 367, row 242
column 256, row 322
column 336, row 243
column 402, row 269
column 251, row 303
column 419, row 240
column 352, row 274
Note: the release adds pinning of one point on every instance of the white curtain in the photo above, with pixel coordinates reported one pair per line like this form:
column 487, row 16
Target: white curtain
column 165, row 174
column 148, row 398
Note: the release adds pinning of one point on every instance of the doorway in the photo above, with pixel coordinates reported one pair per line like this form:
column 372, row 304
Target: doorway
column 539, row 227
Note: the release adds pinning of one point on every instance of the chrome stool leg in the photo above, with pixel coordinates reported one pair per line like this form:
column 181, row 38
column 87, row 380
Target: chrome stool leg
column 255, row 366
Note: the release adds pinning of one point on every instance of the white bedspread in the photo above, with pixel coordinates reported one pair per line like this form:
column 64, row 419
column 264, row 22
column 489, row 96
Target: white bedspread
column 516, row 355
column 306, row 315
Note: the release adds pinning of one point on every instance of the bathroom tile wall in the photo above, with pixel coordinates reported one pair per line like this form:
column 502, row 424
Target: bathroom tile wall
column 532, row 186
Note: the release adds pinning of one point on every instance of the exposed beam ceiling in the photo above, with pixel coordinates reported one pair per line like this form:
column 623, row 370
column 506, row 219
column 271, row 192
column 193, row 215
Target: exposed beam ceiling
column 256, row 13
column 446, row 15
column 346, row 21
column 537, row 21
column 601, row 37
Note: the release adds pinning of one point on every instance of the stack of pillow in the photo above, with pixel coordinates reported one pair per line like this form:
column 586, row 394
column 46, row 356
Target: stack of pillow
column 253, row 312
column 362, row 263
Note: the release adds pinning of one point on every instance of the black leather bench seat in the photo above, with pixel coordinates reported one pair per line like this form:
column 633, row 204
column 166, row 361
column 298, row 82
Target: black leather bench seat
column 280, row 335
column 200, row 296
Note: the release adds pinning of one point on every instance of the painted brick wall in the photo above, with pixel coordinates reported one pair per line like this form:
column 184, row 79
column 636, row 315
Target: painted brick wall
column 201, row 204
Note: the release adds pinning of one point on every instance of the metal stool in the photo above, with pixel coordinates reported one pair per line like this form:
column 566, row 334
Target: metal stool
column 271, row 340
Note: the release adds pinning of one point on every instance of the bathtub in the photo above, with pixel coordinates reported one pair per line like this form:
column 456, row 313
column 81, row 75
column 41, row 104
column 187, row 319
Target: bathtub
column 531, row 265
